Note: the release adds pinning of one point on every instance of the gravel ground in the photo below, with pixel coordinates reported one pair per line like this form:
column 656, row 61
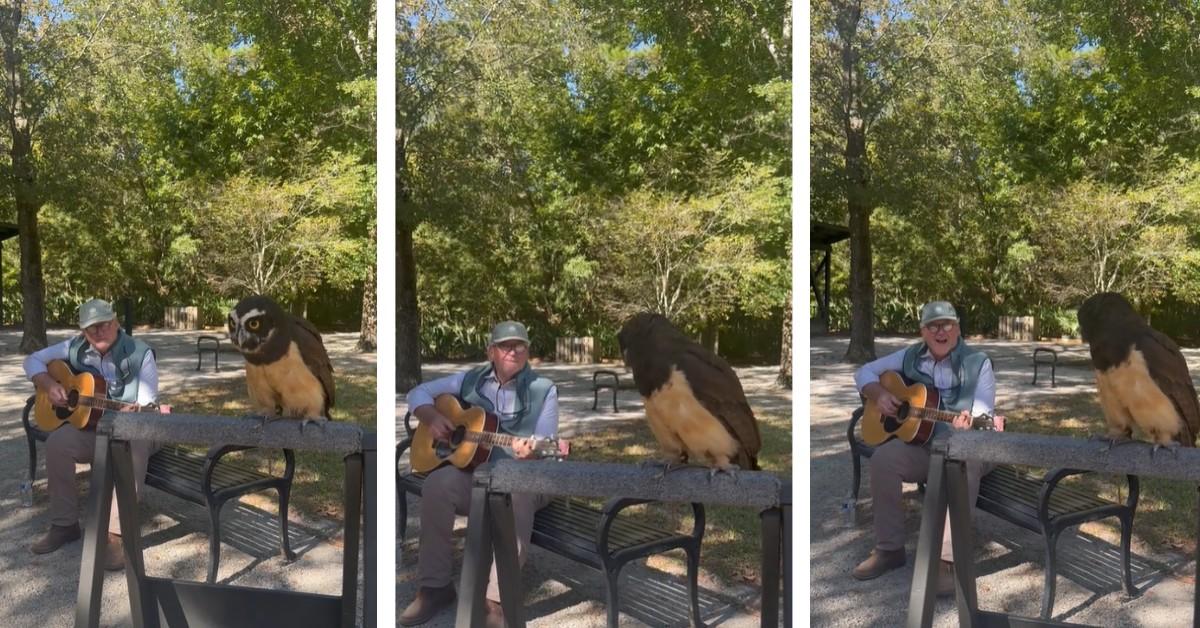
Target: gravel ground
column 1009, row 559
column 561, row 593
column 40, row 591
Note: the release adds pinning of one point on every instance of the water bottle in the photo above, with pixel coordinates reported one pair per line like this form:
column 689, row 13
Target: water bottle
column 26, row 493
column 850, row 512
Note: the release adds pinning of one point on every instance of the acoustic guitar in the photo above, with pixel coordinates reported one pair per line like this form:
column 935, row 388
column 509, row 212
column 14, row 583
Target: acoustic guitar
column 476, row 432
column 914, row 421
column 87, row 399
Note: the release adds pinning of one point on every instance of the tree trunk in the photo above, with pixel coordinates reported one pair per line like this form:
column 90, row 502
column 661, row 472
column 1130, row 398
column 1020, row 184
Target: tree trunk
column 408, row 313
column 366, row 334
column 862, row 287
column 24, row 173
column 784, row 380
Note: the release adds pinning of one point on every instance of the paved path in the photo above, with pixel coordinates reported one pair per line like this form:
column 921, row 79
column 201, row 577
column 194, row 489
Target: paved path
column 40, row 590
column 561, row 593
column 1008, row 559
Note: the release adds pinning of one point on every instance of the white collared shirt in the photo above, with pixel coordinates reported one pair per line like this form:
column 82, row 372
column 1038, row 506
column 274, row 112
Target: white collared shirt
column 941, row 372
column 36, row 362
column 503, row 399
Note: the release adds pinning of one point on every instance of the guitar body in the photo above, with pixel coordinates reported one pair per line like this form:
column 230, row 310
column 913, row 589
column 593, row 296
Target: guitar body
column 877, row 429
column 49, row 417
column 464, row 453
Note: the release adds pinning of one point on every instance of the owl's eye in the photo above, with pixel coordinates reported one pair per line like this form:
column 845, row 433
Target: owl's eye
column 253, row 325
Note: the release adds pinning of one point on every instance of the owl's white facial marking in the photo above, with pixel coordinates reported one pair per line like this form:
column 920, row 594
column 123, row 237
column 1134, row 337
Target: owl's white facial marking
column 245, row 339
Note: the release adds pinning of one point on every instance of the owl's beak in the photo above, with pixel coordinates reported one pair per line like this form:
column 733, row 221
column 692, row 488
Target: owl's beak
column 247, row 342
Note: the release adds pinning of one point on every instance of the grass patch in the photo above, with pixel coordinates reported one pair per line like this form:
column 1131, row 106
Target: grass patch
column 1165, row 512
column 732, row 547
column 318, row 482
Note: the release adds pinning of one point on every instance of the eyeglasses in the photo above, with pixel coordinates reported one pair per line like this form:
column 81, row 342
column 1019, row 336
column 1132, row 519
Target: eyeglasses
column 937, row 326
column 98, row 327
column 516, row 347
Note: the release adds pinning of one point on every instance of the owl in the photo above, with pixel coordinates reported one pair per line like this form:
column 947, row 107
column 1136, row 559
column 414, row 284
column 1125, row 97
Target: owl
column 288, row 373
column 694, row 401
column 1141, row 375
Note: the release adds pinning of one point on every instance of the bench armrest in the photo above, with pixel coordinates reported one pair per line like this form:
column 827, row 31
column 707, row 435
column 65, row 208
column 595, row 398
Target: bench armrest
column 1054, row 476
column 613, row 507
column 216, row 452
column 857, row 447
column 29, row 427
column 606, row 373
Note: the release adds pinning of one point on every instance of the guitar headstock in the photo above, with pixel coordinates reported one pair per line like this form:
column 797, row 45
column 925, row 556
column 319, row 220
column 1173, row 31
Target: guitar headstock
column 550, row 447
column 986, row 422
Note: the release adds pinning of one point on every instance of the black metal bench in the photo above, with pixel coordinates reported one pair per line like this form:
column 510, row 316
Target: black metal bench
column 594, row 537
column 208, row 344
column 1044, row 355
column 198, row 478
column 1045, row 506
column 605, row 379
column 1041, row 505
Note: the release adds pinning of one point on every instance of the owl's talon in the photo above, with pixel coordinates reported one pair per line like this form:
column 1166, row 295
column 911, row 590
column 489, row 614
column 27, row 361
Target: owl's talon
column 731, row 470
column 1173, row 447
column 319, row 421
column 1112, row 441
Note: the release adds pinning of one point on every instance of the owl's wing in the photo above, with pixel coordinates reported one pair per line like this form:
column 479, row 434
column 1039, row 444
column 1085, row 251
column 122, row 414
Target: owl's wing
column 717, row 387
column 312, row 350
column 1169, row 370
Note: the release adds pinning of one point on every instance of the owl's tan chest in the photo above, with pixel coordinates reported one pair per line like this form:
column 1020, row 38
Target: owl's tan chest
column 287, row 384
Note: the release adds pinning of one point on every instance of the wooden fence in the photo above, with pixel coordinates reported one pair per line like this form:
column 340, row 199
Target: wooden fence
column 575, row 350
column 1017, row 328
column 181, row 317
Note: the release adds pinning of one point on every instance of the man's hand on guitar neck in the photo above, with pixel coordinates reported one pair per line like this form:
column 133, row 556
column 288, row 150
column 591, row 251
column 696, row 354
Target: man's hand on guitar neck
column 54, row 390
column 964, row 422
column 523, row 448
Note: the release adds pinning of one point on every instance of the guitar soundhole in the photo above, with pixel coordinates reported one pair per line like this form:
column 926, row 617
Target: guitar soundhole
column 893, row 423
column 445, row 449
column 64, row 412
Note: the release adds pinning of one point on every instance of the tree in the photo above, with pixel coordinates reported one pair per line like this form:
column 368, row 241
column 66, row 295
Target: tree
column 281, row 247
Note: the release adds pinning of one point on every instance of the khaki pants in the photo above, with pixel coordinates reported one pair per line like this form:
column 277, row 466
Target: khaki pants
column 67, row 446
column 446, row 493
column 895, row 462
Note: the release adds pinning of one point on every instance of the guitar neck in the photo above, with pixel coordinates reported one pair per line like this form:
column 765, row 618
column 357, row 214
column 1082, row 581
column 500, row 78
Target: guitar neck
column 490, row 438
column 935, row 414
column 106, row 404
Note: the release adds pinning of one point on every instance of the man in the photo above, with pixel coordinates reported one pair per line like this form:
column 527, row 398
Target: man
column 526, row 404
column 964, row 379
column 131, row 374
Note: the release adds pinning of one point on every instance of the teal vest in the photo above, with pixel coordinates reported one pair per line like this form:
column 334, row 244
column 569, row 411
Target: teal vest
column 532, row 390
column 127, row 354
column 965, row 363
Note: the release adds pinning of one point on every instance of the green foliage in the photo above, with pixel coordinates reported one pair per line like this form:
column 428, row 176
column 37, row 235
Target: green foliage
column 572, row 162
column 1021, row 156
column 168, row 129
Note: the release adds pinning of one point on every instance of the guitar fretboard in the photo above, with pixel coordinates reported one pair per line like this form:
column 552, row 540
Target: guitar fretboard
column 944, row 415
column 107, row 404
column 490, row 438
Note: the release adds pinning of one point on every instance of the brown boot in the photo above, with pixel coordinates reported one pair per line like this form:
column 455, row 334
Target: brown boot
column 114, row 553
column 55, row 537
column 879, row 563
column 428, row 602
column 495, row 615
column 945, row 581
